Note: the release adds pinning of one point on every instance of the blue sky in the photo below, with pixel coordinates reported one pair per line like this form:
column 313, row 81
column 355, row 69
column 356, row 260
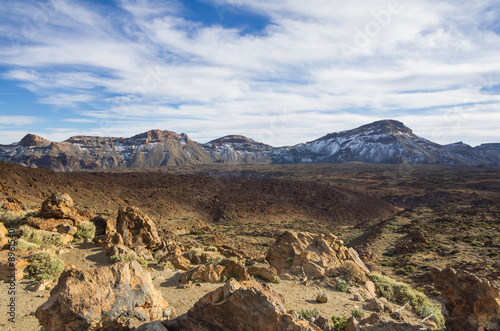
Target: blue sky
column 281, row 72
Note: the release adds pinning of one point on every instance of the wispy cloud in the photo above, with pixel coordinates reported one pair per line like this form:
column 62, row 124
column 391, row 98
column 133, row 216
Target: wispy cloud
column 316, row 67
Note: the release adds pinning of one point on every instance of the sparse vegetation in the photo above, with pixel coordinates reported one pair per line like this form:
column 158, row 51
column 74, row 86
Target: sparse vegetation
column 223, row 279
column 129, row 257
column 358, row 314
column 86, row 230
column 11, row 219
column 39, row 237
column 277, row 280
column 401, row 293
column 26, row 245
column 44, row 263
column 342, row 286
column 212, row 249
column 166, row 264
column 339, row 323
column 306, row 314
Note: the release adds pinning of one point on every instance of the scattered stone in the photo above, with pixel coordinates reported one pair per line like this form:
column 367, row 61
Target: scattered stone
column 120, row 296
column 357, row 297
column 374, row 318
column 66, row 229
column 265, row 272
column 137, row 229
column 119, row 250
column 4, row 239
column 379, row 304
column 324, row 324
column 472, row 303
column 179, row 262
column 42, row 285
column 109, row 240
column 322, row 297
column 352, row 324
column 21, row 262
column 214, row 272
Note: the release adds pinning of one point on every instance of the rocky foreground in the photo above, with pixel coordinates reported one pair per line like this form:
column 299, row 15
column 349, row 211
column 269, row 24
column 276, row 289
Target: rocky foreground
column 121, row 295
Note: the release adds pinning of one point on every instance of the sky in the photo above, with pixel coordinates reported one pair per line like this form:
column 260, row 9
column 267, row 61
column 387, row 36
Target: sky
column 281, row 72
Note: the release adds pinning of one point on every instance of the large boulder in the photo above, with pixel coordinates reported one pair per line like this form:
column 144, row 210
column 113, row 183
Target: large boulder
column 116, row 297
column 58, row 205
column 472, row 303
column 302, row 254
column 137, row 229
column 239, row 306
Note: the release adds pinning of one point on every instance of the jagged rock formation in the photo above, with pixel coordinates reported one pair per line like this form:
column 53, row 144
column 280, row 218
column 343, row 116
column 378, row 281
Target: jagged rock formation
column 239, row 306
column 302, row 254
column 472, row 303
column 116, row 297
column 386, row 141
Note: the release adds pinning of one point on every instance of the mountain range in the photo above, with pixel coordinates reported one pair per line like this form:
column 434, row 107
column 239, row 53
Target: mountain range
column 386, row 141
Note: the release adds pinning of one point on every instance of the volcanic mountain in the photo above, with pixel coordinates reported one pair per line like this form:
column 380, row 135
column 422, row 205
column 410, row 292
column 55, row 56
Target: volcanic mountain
column 385, row 141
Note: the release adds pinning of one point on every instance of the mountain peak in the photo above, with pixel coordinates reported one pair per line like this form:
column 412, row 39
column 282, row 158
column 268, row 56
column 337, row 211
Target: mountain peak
column 31, row 140
column 233, row 138
column 157, row 136
column 385, row 126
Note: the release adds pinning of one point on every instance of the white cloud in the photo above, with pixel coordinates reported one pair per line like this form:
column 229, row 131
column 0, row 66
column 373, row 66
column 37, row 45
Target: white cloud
column 326, row 65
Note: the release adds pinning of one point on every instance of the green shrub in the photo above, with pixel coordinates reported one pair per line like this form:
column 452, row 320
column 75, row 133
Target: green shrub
column 223, row 279
column 167, row 264
column 356, row 313
column 339, row 323
column 128, row 257
column 26, row 245
column 342, row 286
column 277, row 280
column 306, row 314
column 44, row 263
column 401, row 293
column 212, row 249
column 39, row 237
column 43, row 276
column 11, row 219
column 85, row 230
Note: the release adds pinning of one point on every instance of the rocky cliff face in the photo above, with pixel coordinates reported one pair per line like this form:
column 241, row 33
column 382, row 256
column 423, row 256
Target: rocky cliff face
column 386, row 141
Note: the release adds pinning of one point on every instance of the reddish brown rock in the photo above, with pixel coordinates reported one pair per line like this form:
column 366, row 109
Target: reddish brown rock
column 116, row 297
column 58, row 205
column 10, row 268
column 239, row 306
column 4, row 236
column 472, row 303
column 214, row 272
column 137, row 229
column 266, row 272
column 302, row 254
column 109, row 240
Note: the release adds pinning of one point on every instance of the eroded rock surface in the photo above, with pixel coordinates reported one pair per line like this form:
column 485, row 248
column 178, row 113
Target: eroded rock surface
column 116, row 297
column 239, row 306
column 472, row 303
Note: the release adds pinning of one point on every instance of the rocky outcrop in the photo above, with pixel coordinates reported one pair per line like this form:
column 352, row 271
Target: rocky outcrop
column 120, row 296
column 214, row 272
column 472, row 303
column 137, row 229
column 58, row 210
column 239, row 306
column 58, row 205
column 301, row 254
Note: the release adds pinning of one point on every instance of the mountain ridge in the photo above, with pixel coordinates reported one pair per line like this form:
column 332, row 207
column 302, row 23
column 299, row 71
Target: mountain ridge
column 385, row 141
